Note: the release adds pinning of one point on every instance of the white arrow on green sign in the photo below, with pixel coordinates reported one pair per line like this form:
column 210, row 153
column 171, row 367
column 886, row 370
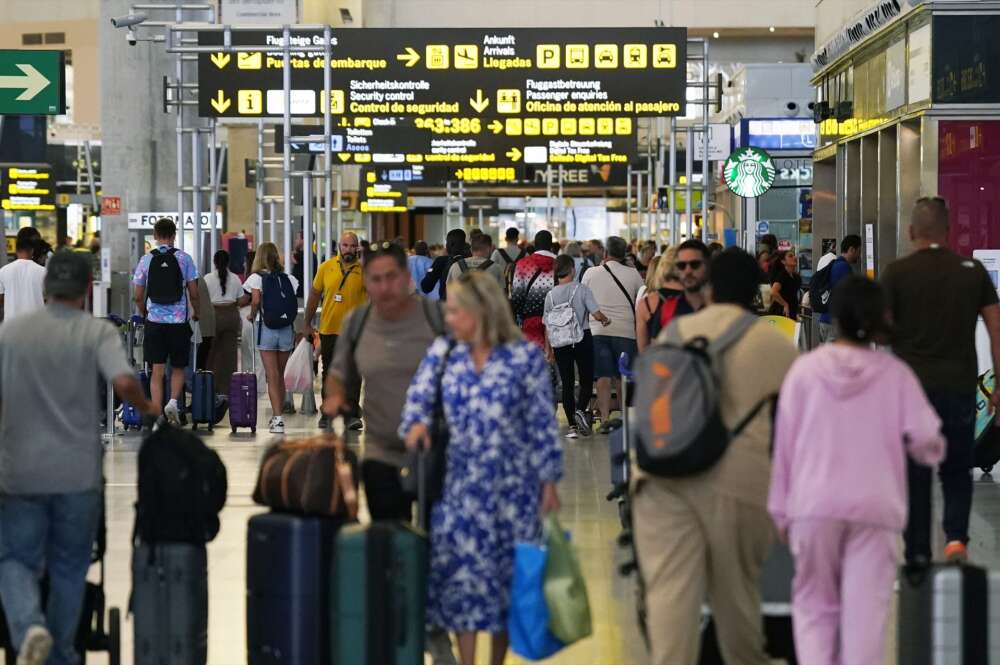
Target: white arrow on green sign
column 32, row 82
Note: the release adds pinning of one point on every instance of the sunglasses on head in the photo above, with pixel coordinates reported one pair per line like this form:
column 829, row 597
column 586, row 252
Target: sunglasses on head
column 684, row 265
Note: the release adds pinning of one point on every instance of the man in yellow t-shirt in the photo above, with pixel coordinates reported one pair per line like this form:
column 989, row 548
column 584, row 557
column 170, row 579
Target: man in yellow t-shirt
column 341, row 285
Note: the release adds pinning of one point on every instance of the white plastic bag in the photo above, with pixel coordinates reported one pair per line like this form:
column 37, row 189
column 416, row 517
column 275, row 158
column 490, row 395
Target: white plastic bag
column 299, row 370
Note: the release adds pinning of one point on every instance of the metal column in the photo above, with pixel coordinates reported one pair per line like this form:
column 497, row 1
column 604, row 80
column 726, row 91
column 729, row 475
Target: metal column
column 675, row 230
column 689, row 185
column 628, row 202
column 706, row 174
column 179, row 73
column 196, row 198
column 259, row 183
column 327, row 158
column 307, row 229
column 287, row 156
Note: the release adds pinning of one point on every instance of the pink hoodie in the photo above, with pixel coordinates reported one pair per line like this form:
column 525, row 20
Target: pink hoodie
column 847, row 417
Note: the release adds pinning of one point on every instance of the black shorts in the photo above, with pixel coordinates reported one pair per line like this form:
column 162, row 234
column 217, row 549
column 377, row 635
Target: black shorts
column 167, row 342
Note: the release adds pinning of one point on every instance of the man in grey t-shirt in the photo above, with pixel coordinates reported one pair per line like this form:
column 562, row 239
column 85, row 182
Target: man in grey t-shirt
column 50, row 457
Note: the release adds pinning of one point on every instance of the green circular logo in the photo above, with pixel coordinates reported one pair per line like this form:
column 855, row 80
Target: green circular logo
column 749, row 172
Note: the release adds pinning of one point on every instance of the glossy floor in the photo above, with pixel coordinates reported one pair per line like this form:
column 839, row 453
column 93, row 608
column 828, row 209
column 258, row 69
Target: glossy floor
column 592, row 520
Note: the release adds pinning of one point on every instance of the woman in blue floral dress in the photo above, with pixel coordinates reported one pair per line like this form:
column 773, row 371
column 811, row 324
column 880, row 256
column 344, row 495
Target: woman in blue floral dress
column 504, row 459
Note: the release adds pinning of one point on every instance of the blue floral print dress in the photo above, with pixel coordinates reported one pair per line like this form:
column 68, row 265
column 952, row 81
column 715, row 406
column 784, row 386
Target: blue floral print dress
column 504, row 445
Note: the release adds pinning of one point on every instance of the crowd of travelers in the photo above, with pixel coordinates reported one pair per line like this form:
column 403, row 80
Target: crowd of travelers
column 491, row 338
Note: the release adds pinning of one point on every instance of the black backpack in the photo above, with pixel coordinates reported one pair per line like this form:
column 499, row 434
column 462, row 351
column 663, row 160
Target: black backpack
column 820, row 287
column 278, row 304
column 182, row 489
column 165, row 281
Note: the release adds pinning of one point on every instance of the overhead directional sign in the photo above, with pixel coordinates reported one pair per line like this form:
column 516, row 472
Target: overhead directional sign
column 32, row 82
column 470, row 72
column 606, row 140
column 27, row 187
column 378, row 195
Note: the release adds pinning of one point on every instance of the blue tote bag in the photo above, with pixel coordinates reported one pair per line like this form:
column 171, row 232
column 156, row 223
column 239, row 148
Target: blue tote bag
column 528, row 620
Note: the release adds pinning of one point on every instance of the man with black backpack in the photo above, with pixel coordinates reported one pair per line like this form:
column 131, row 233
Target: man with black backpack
column 51, row 457
column 481, row 246
column 508, row 256
column 826, row 278
column 165, row 281
column 703, row 405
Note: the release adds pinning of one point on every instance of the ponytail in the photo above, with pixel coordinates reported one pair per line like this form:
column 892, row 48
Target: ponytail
column 221, row 261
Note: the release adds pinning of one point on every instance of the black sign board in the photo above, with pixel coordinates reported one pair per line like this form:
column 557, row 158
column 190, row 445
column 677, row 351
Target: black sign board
column 377, row 195
column 27, row 187
column 409, row 141
column 965, row 75
column 469, row 72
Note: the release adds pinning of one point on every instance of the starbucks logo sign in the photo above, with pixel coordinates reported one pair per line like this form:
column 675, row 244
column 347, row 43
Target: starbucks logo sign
column 749, row 172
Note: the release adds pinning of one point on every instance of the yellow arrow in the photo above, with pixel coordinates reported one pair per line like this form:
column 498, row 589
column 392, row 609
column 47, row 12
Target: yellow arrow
column 344, row 156
column 479, row 103
column 458, row 174
column 496, row 126
column 220, row 103
column 220, row 60
column 411, row 57
column 514, row 154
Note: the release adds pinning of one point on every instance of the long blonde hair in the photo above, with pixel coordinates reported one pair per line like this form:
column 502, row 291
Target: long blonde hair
column 666, row 270
column 479, row 293
column 654, row 263
column 267, row 259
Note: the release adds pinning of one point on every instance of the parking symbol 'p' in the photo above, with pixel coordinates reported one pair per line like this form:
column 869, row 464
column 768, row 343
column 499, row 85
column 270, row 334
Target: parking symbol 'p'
column 547, row 56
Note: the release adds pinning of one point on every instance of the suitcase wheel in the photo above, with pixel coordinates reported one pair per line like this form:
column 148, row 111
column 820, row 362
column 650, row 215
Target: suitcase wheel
column 234, row 429
column 253, row 430
column 987, row 468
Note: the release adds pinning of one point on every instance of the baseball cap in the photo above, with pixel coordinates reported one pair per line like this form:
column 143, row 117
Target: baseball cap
column 67, row 275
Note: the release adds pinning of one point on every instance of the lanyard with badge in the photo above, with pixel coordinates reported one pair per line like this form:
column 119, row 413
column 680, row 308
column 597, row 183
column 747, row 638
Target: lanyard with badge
column 338, row 297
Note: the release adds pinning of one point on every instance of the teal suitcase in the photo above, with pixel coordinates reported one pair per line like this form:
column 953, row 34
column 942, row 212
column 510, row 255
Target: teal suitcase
column 379, row 595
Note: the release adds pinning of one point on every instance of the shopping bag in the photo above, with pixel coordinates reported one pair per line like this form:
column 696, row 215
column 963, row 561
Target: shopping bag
column 565, row 589
column 527, row 621
column 299, row 370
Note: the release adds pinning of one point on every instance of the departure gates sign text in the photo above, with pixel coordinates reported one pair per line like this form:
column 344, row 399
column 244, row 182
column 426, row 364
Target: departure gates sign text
column 471, row 72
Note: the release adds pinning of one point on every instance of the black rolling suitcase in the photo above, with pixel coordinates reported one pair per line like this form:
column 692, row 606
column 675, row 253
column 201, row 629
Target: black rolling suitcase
column 203, row 398
column 289, row 561
column 170, row 604
column 949, row 615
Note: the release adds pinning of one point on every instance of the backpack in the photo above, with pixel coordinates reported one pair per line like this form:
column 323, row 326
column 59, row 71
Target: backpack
column 484, row 266
column 820, row 287
column 164, row 281
column 278, row 304
column 679, row 429
column 182, row 488
column 661, row 317
column 510, row 267
column 561, row 324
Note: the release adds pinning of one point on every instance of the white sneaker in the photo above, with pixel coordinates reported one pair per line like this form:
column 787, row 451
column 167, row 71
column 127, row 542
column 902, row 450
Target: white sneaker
column 172, row 413
column 571, row 433
column 36, row 646
column 277, row 425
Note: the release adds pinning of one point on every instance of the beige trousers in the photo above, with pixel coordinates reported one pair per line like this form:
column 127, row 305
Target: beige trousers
column 697, row 546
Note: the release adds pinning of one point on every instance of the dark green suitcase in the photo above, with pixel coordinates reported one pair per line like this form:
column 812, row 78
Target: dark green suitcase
column 379, row 595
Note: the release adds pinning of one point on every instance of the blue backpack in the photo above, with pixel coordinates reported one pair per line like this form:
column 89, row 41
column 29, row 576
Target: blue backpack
column 278, row 304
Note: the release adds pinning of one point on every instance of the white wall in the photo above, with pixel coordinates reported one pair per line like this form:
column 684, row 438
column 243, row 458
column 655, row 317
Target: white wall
column 832, row 14
column 583, row 13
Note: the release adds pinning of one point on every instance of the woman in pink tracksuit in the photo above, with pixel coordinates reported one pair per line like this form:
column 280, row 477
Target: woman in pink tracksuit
column 847, row 417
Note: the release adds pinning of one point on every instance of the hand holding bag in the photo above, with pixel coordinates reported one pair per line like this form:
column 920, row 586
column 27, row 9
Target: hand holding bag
column 314, row 476
column 528, row 617
column 299, row 370
column 565, row 589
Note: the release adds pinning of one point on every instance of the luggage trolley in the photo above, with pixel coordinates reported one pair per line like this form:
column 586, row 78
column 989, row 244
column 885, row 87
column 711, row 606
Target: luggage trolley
column 100, row 627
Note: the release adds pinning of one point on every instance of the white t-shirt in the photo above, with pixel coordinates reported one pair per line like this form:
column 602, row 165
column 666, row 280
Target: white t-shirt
column 612, row 301
column 254, row 283
column 22, row 286
column 234, row 288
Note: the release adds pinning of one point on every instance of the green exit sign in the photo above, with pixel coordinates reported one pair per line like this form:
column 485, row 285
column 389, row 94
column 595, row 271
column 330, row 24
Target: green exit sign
column 32, row 82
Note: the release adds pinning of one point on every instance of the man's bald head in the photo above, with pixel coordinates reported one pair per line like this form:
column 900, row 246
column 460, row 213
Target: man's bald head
column 349, row 247
column 930, row 220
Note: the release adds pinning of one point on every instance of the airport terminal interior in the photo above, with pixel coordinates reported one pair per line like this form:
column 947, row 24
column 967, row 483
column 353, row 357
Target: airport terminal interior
column 718, row 287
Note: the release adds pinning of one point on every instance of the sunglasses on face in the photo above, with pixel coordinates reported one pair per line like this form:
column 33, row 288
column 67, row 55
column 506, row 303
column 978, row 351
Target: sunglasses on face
column 693, row 265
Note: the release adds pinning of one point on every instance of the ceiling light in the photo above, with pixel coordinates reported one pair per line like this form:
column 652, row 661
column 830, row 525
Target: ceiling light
column 771, row 29
column 715, row 35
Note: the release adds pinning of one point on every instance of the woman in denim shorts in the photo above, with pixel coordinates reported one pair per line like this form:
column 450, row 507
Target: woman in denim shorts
column 274, row 344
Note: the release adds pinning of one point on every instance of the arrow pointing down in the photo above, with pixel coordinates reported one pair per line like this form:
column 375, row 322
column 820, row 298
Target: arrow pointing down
column 514, row 154
column 33, row 82
column 220, row 60
column 479, row 103
column 220, row 103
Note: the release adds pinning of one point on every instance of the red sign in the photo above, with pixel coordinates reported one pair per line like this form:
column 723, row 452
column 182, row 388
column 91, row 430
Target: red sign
column 111, row 205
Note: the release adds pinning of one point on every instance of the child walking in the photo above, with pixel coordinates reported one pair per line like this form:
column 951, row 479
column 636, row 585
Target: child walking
column 847, row 417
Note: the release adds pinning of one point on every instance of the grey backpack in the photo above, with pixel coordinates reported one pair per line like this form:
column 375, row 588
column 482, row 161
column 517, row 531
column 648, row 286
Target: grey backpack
column 679, row 428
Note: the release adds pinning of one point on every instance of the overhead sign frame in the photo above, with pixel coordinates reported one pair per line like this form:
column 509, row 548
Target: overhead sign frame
column 469, row 72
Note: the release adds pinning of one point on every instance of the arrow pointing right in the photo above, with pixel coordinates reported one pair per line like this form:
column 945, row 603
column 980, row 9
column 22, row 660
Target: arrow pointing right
column 514, row 154
column 411, row 57
column 33, row 82
column 496, row 126
column 220, row 103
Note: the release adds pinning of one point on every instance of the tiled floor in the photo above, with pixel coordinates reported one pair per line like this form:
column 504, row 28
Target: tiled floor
column 592, row 520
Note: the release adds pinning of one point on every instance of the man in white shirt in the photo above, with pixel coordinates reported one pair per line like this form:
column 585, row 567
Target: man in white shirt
column 615, row 286
column 21, row 290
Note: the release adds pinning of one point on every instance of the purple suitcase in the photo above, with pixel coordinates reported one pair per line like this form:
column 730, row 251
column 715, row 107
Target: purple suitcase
column 243, row 401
